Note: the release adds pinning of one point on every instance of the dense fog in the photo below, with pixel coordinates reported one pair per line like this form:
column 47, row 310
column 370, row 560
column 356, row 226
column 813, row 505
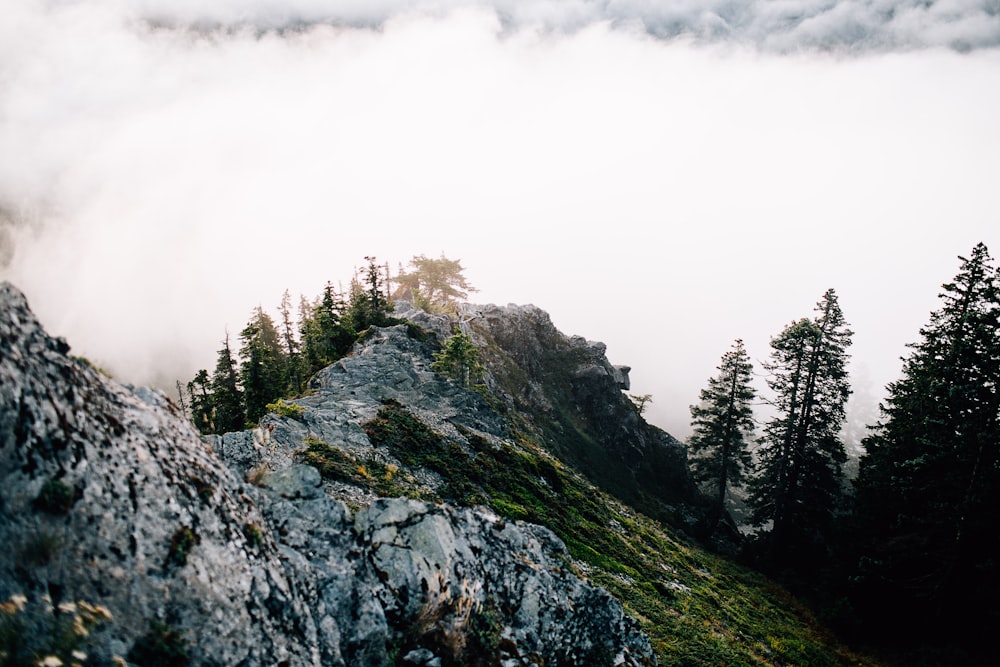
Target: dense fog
column 663, row 180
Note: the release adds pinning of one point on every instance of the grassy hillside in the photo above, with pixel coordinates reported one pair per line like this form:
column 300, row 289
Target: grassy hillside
column 698, row 609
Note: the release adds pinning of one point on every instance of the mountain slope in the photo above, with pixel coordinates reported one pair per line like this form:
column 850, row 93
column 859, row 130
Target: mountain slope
column 122, row 523
column 389, row 516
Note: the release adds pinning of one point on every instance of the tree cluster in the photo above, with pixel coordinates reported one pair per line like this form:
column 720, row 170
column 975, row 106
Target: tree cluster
column 795, row 478
column 928, row 490
column 274, row 360
column 913, row 545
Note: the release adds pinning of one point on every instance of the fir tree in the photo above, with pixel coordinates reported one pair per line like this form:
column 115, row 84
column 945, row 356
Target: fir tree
column 294, row 369
column 433, row 283
column 929, row 484
column 459, row 360
column 202, row 402
column 262, row 371
column 798, row 484
column 326, row 336
column 722, row 423
column 369, row 303
column 227, row 398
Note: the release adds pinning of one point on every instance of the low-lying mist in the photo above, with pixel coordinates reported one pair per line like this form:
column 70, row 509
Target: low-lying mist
column 166, row 168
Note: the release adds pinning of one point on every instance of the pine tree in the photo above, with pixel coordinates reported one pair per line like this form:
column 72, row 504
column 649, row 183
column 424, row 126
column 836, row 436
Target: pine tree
column 262, row 371
column 798, row 484
column 293, row 380
column 326, row 335
column 722, row 423
column 433, row 283
column 459, row 360
column 929, row 483
column 369, row 303
column 227, row 398
column 202, row 402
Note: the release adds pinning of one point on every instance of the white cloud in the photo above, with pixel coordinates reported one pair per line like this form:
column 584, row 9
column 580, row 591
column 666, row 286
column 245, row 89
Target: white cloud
column 662, row 196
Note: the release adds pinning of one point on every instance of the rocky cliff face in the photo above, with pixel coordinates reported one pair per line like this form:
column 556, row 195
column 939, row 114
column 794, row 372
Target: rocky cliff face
column 573, row 399
column 109, row 498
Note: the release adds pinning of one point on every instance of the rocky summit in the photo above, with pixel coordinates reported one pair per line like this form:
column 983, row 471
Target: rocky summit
column 129, row 538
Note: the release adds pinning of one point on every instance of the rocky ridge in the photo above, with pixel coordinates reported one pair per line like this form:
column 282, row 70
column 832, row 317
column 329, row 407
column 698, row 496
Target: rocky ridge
column 107, row 495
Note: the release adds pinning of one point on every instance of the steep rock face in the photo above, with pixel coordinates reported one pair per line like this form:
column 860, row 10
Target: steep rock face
column 108, row 496
column 153, row 525
column 574, row 396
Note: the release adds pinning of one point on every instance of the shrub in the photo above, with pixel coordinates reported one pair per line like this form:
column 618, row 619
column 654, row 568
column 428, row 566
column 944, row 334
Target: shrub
column 183, row 540
column 256, row 474
column 40, row 548
column 283, row 409
column 204, row 489
column 254, row 535
column 161, row 646
column 55, row 497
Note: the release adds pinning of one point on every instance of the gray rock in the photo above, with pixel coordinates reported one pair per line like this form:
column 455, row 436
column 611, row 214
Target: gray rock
column 297, row 481
column 159, row 525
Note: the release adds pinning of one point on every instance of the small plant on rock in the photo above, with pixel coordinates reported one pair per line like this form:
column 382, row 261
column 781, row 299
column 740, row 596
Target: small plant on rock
column 55, row 497
column 459, row 360
column 161, row 646
column 204, row 489
column 254, row 535
column 40, row 548
column 284, row 409
column 37, row 632
column 183, row 540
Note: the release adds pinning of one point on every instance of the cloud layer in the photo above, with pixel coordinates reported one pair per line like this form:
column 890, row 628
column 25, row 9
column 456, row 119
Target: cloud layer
column 665, row 197
column 783, row 26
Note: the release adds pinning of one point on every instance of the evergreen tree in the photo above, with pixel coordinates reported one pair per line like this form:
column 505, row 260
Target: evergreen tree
column 262, row 371
column 227, row 398
column 326, row 336
column 433, row 283
column 294, row 368
column 369, row 303
column 929, row 484
column 722, row 423
column 202, row 402
column 798, row 484
column 459, row 360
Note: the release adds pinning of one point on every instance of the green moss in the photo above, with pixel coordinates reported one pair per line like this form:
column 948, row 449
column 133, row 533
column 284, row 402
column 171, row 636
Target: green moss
column 698, row 609
column 40, row 548
column 335, row 464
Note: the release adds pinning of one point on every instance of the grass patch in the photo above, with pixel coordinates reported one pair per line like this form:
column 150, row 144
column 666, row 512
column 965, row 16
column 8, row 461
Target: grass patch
column 697, row 608
column 333, row 463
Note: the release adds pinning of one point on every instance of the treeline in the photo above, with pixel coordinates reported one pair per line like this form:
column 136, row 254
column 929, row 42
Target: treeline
column 910, row 549
column 275, row 360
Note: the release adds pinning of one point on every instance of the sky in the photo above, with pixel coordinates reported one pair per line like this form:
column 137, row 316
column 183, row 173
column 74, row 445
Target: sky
column 664, row 177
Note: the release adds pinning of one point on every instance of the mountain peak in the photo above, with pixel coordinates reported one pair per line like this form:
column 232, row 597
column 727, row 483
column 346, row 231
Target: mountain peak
column 111, row 501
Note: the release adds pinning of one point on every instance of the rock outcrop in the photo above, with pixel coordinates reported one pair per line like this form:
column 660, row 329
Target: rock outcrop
column 109, row 497
column 573, row 397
